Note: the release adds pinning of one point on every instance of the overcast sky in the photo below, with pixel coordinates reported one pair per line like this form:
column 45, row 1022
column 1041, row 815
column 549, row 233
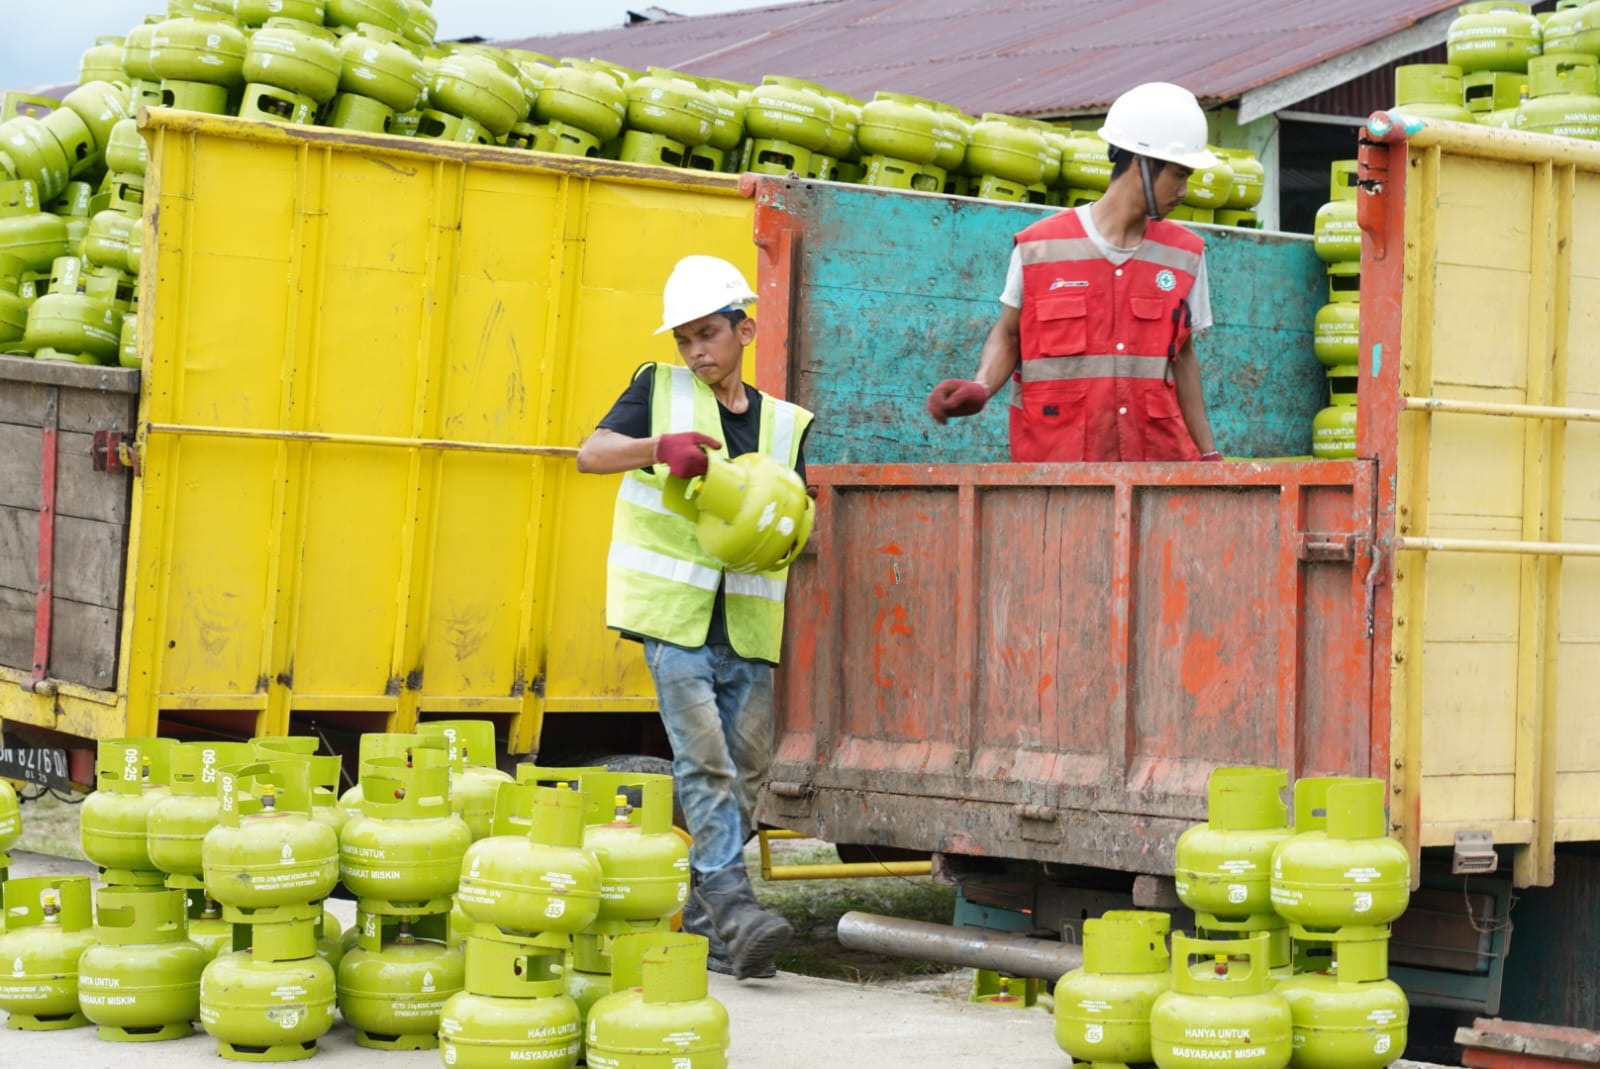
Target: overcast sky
column 41, row 44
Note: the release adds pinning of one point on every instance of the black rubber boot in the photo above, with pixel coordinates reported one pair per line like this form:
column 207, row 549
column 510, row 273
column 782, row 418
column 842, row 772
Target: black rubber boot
column 752, row 936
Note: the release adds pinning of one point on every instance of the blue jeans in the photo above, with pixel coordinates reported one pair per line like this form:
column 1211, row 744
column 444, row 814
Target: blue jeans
column 717, row 709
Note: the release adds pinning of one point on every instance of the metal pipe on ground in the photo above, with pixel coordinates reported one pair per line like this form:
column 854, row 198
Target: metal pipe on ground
column 1004, row 952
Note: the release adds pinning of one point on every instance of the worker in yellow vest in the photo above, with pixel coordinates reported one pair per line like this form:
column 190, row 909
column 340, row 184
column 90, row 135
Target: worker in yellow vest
column 711, row 637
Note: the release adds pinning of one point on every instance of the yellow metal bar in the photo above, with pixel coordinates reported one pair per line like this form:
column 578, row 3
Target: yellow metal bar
column 1506, row 145
column 443, row 444
column 1500, row 408
column 342, row 703
column 1443, row 833
column 1423, row 544
column 619, row 704
column 839, row 871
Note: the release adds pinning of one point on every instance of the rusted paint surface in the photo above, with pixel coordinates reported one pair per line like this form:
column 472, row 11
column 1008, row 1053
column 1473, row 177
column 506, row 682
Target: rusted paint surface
column 1046, row 700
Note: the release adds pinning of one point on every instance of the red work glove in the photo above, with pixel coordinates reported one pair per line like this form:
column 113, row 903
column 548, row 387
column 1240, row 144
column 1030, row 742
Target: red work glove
column 957, row 397
column 684, row 452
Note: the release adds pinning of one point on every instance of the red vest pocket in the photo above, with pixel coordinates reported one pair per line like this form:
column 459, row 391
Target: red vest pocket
column 1051, row 423
column 1063, row 325
column 1166, row 435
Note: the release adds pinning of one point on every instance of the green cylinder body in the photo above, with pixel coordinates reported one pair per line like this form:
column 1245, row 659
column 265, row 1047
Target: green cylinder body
column 206, row 50
column 1573, row 29
column 1102, row 1011
column 1333, row 429
column 49, row 925
column 474, row 87
column 10, row 825
column 390, row 15
column 1430, row 91
column 266, row 1010
column 293, row 55
column 1221, row 1008
column 1336, row 331
column 142, row 981
column 267, row 851
column 1496, row 35
column 1342, row 870
column 541, row 881
column 178, row 823
column 130, row 780
column 789, row 109
column 493, row 1032
column 1343, row 1025
column 1565, row 98
column 1224, row 866
column 405, row 845
column 1337, row 237
column 393, row 996
column 660, row 1012
column 375, row 64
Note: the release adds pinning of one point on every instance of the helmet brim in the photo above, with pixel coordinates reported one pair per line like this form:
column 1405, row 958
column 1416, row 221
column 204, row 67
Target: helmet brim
column 1197, row 160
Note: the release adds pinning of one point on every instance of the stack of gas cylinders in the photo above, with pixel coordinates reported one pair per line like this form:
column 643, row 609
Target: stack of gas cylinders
column 547, row 933
column 373, row 66
column 1507, row 66
column 1288, row 963
column 1336, row 331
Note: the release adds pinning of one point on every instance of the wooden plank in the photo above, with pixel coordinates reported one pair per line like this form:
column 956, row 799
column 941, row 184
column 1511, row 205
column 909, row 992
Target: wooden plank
column 1547, row 1041
column 85, row 410
column 69, row 375
column 80, row 490
column 83, row 639
column 88, row 562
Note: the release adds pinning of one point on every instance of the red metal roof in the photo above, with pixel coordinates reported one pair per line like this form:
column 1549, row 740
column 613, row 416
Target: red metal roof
column 1019, row 56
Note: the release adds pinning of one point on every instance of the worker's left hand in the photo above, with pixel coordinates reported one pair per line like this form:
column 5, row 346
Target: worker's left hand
column 957, row 397
column 1213, row 455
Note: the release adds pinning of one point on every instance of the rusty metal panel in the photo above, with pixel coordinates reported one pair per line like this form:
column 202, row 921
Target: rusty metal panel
column 1046, row 661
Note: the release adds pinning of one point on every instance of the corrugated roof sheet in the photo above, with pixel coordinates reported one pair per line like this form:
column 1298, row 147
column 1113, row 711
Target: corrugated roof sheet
column 1026, row 57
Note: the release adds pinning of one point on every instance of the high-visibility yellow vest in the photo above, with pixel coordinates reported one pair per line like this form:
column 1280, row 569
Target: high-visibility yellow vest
column 659, row 582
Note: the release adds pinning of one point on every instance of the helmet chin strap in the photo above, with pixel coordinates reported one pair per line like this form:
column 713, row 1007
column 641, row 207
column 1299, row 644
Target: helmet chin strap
column 1150, row 208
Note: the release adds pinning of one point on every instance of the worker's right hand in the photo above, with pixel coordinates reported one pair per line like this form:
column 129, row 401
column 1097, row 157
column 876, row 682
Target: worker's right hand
column 957, row 397
column 684, row 452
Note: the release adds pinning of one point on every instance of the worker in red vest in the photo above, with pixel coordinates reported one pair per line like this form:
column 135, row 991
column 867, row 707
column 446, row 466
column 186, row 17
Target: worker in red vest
column 1101, row 305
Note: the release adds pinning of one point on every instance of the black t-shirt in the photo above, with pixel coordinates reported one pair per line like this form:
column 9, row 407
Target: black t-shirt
column 741, row 433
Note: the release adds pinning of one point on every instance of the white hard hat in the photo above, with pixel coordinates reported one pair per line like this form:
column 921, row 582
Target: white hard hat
column 699, row 286
column 1162, row 121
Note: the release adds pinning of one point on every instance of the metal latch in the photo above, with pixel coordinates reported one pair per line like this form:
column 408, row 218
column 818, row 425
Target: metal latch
column 112, row 452
column 1040, row 823
column 1474, row 854
column 1326, row 546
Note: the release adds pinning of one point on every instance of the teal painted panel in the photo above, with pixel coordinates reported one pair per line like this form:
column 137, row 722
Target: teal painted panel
column 897, row 292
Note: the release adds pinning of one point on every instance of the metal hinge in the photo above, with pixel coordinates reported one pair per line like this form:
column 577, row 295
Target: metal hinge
column 112, row 452
column 1474, row 854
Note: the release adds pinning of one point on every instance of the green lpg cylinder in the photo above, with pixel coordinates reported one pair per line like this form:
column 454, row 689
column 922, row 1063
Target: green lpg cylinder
column 897, row 127
column 141, row 982
column 1574, row 27
column 106, row 243
column 1223, row 867
column 751, row 513
column 644, row 864
column 1009, row 154
column 403, row 852
column 1336, row 331
column 49, row 925
column 1349, row 1016
column 380, row 75
column 1336, row 235
column 1210, row 187
column 474, row 779
column 661, row 1013
column 1088, row 165
column 10, row 817
column 1249, row 178
column 1496, row 35
column 1333, row 429
column 1564, row 98
column 31, row 152
column 13, row 320
column 1222, row 1007
column 1430, row 91
column 513, row 1010
column 272, row 1001
column 839, row 160
column 102, row 62
column 589, row 971
column 178, row 823
column 290, row 68
column 668, row 113
column 1494, row 96
column 727, row 128
column 200, row 61
column 267, row 852
column 1102, row 1011
column 582, row 107
column 477, row 89
column 28, row 232
column 394, row 982
column 788, row 121
column 1340, row 869
column 78, row 320
column 130, row 780
column 541, row 881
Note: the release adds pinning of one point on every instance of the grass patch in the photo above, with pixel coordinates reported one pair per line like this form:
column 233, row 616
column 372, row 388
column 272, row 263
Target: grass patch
column 50, row 826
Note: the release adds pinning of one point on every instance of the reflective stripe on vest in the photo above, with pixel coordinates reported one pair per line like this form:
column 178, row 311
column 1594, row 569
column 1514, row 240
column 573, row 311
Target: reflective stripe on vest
column 659, row 582
column 1117, row 366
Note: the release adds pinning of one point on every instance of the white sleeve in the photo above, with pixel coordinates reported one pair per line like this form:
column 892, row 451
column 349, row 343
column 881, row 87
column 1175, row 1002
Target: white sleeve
column 1200, row 300
column 1012, row 295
